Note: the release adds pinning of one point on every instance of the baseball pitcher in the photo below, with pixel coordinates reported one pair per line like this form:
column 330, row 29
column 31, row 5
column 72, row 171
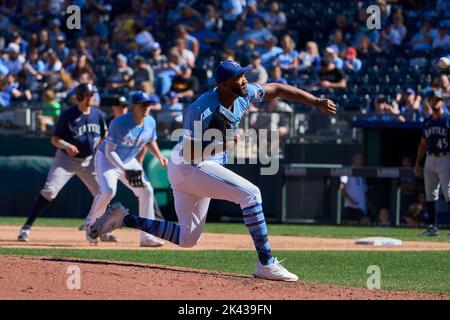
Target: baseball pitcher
column 196, row 179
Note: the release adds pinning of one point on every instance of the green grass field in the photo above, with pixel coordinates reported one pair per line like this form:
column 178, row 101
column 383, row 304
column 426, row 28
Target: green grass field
column 409, row 234
column 404, row 271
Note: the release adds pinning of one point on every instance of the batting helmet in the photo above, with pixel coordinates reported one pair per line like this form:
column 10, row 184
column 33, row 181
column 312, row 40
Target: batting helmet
column 121, row 101
column 83, row 89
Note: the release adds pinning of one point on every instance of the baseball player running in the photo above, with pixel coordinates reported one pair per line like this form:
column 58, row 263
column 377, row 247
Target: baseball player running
column 77, row 134
column 435, row 144
column 116, row 160
column 196, row 181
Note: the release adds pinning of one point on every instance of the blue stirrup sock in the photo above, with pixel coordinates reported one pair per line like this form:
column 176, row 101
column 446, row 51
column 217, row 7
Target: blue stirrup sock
column 162, row 229
column 38, row 206
column 256, row 224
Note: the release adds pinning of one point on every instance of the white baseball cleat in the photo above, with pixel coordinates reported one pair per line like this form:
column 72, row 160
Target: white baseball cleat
column 151, row 241
column 24, row 235
column 274, row 271
column 110, row 221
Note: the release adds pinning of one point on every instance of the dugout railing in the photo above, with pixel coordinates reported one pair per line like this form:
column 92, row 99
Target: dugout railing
column 311, row 193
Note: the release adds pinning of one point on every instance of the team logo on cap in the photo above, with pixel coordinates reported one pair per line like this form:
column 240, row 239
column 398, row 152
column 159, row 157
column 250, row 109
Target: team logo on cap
column 234, row 63
column 259, row 94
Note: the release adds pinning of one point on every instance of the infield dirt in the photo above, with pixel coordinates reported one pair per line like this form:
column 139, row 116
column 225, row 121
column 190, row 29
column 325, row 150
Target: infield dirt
column 46, row 278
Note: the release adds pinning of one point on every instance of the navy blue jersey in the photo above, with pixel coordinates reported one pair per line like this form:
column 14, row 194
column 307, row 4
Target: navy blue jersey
column 437, row 132
column 82, row 130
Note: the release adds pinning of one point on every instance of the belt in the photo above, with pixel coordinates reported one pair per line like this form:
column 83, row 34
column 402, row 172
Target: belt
column 437, row 154
column 204, row 144
column 83, row 157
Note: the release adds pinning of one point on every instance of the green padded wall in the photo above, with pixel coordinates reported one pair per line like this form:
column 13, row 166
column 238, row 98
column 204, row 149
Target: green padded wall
column 22, row 177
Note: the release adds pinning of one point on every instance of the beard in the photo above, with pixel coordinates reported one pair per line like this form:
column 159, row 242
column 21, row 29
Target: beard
column 436, row 106
column 239, row 91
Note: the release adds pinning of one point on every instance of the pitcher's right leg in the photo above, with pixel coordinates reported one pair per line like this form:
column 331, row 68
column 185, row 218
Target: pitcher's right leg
column 191, row 212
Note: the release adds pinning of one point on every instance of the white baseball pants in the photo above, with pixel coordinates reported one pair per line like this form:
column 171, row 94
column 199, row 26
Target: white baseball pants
column 437, row 172
column 194, row 187
column 108, row 175
column 63, row 168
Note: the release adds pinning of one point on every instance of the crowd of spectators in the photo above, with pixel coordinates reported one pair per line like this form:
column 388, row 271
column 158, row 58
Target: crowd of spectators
column 170, row 48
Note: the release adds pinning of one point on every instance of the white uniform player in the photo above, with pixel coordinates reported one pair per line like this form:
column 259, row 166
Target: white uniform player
column 198, row 177
column 116, row 160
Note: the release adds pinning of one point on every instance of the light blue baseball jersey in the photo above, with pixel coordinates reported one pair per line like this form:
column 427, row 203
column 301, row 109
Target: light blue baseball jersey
column 129, row 137
column 202, row 110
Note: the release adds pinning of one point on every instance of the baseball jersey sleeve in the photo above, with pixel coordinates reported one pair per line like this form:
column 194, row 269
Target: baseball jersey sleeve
column 152, row 124
column 422, row 134
column 61, row 127
column 255, row 92
column 114, row 135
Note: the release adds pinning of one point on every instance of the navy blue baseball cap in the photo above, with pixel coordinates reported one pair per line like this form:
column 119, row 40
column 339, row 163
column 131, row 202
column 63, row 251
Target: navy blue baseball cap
column 142, row 97
column 229, row 69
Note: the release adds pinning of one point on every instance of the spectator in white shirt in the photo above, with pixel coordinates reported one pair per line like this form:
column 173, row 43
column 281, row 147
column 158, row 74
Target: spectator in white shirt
column 191, row 43
column 310, row 57
column 354, row 191
column 182, row 55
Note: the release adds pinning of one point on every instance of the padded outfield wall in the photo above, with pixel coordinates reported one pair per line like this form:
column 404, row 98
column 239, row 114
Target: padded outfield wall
column 25, row 161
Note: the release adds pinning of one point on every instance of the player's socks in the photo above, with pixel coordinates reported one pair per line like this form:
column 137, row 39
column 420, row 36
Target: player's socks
column 162, row 229
column 256, row 224
column 38, row 205
column 431, row 213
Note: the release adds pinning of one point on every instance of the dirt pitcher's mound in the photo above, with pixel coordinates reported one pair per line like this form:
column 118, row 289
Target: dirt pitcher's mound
column 55, row 278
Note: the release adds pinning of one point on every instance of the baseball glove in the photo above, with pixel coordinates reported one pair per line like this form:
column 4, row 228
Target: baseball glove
column 134, row 178
column 224, row 120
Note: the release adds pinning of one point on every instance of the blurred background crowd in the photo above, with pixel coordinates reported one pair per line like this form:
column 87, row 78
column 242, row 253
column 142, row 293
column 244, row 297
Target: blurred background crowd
column 170, row 48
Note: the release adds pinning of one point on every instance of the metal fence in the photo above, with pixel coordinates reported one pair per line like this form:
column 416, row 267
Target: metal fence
column 300, row 126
